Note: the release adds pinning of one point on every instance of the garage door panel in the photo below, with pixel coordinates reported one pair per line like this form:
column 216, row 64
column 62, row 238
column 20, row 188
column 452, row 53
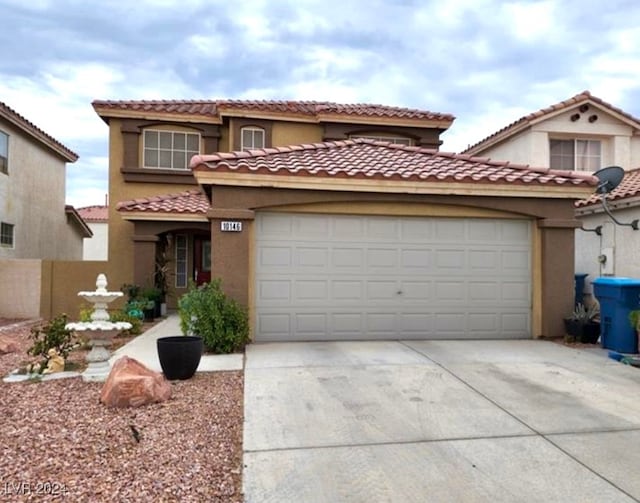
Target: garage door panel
column 515, row 260
column 352, row 258
column 311, row 324
column 311, row 226
column 348, row 228
column 324, row 277
column 274, row 326
column 381, row 322
column 482, row 292
column 419, row 259
column 278, row 256
column 451, row 260
column 347, row 290
column 312, row 258
column 347, row 325
column 416, row 290
column 450, row 229
column 381, row 258
column 275, row 290
column 416, row 230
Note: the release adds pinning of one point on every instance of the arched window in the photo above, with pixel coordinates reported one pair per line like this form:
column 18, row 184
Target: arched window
column 251, row 137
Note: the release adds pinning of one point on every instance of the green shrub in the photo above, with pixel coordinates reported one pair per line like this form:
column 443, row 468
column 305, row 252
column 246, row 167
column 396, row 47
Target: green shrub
column 136, row 322
column 221, row 322
column 52, row 335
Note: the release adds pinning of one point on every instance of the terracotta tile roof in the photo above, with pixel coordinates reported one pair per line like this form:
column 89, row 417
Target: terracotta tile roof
column 215, row 108
column 188, row 202
column 629, row 187
column 370, row 159
column 525, row 121
column 94, row 213
column 28, row 127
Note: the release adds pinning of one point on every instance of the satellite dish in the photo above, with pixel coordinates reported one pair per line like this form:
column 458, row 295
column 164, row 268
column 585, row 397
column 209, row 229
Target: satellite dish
column 609, row 178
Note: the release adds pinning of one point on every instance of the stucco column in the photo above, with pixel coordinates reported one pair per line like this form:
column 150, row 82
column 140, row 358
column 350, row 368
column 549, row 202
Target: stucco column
column 230, row 251
column 144, row 259
column 557, row 274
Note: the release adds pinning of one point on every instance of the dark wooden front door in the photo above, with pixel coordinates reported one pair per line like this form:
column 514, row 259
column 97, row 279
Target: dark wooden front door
column 202, row 260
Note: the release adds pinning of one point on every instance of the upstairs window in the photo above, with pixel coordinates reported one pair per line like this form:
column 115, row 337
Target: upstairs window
column 251, row 137
column 397, row 140
column 575, row 155
column 169, row 149
column 4, row 153
column 6, row 235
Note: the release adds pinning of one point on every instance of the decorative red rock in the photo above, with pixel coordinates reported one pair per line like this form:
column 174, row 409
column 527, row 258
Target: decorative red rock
column 7, row 345
column 131, row 384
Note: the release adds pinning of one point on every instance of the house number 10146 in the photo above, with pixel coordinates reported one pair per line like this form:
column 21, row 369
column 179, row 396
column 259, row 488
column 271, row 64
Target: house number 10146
column 231, row 226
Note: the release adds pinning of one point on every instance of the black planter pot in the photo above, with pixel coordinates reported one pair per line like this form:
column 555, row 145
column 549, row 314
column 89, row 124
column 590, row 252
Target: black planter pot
column 179, row 355
column 586, row 333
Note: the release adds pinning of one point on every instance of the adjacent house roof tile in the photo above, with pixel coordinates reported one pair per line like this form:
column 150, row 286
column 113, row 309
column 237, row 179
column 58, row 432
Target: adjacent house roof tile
column 28, row 127
column 367, row 159
column 94, row 213
column 525, row 121
column 188, row 202
column 628, row 188
column 215, row 108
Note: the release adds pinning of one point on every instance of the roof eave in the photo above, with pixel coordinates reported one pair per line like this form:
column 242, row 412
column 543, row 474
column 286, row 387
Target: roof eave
column 207, row 176
column 106, row 113
column 62, row 151
column 163, row 216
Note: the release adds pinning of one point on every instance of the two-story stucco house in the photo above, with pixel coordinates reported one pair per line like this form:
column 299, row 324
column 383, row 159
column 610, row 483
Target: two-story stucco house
column 583, row 133
column 35, row 223
column 335, row 221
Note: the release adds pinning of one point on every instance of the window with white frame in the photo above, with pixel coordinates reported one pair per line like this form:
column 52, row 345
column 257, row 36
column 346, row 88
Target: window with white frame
column 398, row 140
column 251, row 137
column 169, row 149
column 4, row 153
column 6, row 235
column 181, row 261
column 575, row 155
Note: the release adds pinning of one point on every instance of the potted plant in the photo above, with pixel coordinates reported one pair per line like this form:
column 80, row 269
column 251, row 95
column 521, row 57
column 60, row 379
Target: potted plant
column 161, row 279
column 582, row 326
column 153, row 297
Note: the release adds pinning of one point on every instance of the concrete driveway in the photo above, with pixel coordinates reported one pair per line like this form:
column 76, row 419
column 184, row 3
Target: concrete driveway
column 442, row 421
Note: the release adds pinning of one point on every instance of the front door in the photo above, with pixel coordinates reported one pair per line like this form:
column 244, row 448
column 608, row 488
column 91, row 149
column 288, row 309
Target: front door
column 202, row 260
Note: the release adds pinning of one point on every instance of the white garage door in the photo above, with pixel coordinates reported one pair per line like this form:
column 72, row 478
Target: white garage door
column 332, row 277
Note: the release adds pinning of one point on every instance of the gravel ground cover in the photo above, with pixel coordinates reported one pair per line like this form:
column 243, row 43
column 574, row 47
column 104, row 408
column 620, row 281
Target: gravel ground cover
column 58, row 443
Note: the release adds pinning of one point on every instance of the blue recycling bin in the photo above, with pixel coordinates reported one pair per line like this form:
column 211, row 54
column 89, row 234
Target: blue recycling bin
column 617, row 297
column 579, row 287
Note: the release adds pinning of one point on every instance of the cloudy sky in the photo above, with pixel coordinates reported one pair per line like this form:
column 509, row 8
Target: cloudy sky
column 488, row 62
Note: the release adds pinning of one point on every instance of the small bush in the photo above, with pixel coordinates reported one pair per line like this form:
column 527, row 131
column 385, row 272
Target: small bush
column 136, row 323
column 221, row 322
column 52, row 335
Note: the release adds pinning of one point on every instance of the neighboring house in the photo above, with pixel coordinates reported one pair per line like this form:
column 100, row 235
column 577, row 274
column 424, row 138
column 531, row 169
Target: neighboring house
column 97, row 219
column 616, row 249
column 583, row 133
column 35, row 223
column 337, row 236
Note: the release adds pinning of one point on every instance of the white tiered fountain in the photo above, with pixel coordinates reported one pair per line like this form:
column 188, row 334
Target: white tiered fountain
column 99, row 331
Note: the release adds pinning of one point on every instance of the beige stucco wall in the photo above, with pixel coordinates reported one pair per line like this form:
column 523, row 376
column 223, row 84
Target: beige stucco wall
column 531, row 146
column 96, row 247
column 620, row 244
column 20, row 295
column 32, row 198
column 289, row 133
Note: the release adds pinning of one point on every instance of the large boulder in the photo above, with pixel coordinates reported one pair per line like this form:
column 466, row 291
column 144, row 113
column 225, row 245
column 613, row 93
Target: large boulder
column 131, row 384
column 8, row 344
